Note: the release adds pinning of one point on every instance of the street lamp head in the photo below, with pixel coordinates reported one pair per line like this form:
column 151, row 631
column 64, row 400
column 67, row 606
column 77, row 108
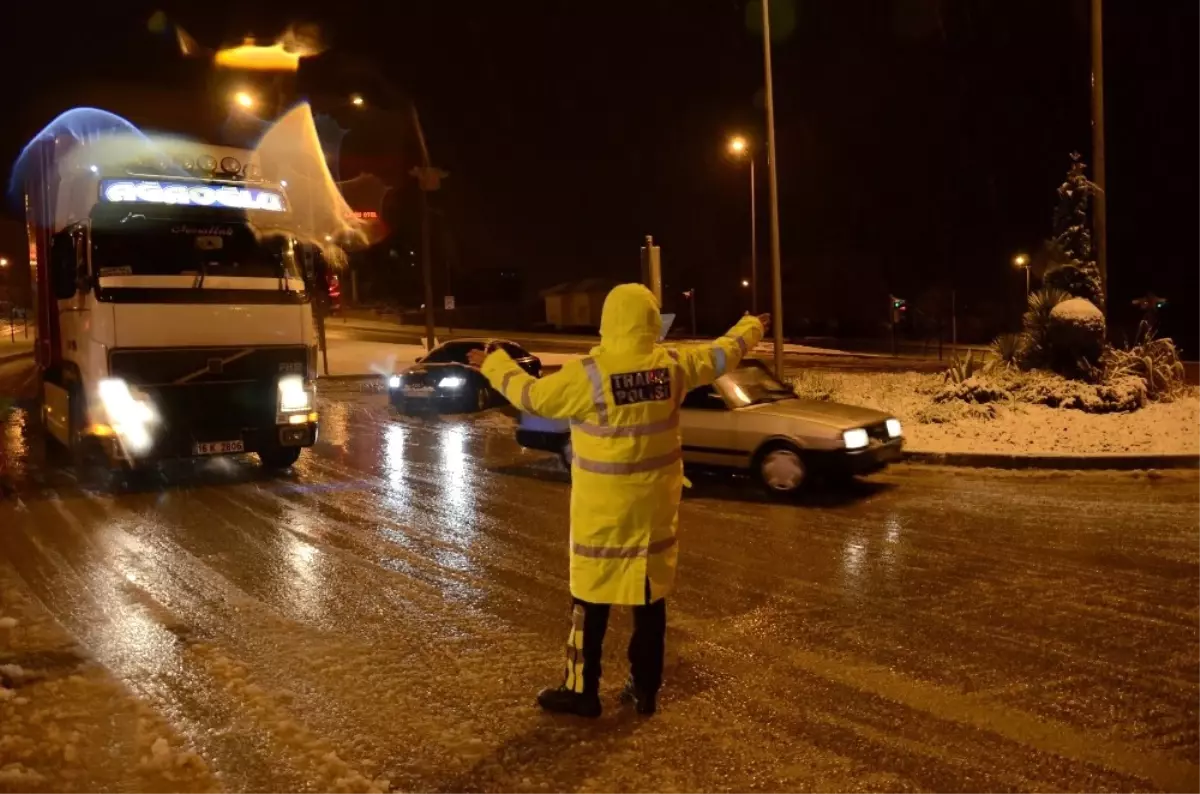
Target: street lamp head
column 244, row 99
column 358, row 101
column 1021, row 260
column 738, row 146
column 3, row 262
column 745, row 282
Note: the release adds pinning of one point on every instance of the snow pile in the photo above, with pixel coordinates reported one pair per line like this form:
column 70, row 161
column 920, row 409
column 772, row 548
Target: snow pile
column 1017, row 413
column 1080, row 312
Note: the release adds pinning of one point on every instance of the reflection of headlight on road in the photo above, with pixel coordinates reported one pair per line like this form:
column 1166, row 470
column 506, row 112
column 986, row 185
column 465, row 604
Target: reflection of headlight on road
column 129, row 413
column 293, row 394
column 394, row 382
column 452, row 382
column 893, row 428
column 856, row 438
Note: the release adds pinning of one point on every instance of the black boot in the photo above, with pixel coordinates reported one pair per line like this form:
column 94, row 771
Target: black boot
column 646, row 703
column 561, row 700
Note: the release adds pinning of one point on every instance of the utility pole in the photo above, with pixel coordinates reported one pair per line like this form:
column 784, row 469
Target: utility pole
column 652, row 268
column 1101, row 197
column 753, row 244
column 776, row 269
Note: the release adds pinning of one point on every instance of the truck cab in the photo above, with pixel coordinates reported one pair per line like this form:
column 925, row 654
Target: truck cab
column 174, row 320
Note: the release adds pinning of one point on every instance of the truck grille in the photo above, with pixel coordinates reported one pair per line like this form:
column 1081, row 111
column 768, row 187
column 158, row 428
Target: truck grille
column 195, row 366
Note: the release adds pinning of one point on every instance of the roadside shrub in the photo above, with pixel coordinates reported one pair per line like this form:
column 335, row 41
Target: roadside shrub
column 1036, row 346
column 1074, row 280
column 1155, row 362
column 962, row 369
column 980, row 391
column 812, row 386
column 1006, row 350
column 1055, row 391
column 1074, row 337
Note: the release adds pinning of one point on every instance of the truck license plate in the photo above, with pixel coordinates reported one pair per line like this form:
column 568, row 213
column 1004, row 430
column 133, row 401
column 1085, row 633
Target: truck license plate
column 218, row 447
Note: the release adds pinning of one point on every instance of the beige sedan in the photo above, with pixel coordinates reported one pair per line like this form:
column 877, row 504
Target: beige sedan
column 749, row 421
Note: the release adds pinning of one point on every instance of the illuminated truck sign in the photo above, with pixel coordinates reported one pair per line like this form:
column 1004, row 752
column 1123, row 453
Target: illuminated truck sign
column 128, row 191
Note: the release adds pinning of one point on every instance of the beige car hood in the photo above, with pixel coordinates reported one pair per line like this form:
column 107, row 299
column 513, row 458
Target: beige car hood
column 837, row 415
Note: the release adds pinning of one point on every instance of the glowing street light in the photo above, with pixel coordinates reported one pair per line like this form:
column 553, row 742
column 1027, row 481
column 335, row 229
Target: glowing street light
column 745, row 282
column 358, row 101
column 1022, row 261
column 739, row 148
column 244, row 99
column 3, row 262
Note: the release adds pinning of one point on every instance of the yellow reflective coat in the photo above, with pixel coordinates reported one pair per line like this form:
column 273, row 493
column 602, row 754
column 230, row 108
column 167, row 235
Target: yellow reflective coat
column 623, row 401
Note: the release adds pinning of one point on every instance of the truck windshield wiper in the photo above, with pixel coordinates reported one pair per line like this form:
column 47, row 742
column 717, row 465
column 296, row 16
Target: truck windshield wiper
column 199, row 283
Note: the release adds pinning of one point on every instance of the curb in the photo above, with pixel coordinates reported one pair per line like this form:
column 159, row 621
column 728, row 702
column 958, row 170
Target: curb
column 1109, row 462
column 7, row 357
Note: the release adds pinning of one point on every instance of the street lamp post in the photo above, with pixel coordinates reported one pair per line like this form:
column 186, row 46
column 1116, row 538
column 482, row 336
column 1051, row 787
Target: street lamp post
column 776, row 269
column 739, row 148
column 1022, row 261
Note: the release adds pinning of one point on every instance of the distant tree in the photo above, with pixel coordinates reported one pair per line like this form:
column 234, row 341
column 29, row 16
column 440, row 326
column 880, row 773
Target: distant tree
column 1073, row 266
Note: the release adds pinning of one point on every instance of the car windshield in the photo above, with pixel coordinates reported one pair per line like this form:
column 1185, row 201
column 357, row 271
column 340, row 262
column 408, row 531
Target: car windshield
column 752, row 384
column 138, row 245
column 452, row 353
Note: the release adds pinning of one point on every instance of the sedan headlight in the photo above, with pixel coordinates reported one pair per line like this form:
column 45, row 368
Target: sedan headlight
column 294, row 395
column 394, row 382
column 452, row 382
column 856, row 438
column 894, row 429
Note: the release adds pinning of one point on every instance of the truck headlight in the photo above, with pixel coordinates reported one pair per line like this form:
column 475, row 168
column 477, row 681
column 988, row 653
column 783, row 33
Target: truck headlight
column 894, row 429
column 130, row 413
column 394, row 382
column 294, row 394
column 856, row 438
column 452, row 382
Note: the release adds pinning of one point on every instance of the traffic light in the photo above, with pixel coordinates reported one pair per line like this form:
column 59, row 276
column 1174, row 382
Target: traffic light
column 899, row 308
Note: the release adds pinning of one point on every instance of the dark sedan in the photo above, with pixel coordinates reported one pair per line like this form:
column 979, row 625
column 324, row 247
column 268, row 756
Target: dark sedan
column 443, row 381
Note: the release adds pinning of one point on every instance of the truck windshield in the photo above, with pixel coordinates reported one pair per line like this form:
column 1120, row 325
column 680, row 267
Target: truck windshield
column 146, row 246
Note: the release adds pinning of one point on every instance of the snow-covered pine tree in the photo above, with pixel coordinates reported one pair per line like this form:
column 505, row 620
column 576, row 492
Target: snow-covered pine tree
column 1074, row 268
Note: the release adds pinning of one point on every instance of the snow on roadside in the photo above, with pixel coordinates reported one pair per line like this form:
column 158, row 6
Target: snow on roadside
column 1159, row 428
column 66, row 724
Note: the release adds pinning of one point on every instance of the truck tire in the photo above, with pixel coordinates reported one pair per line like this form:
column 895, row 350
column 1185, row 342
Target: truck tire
column 279, row 458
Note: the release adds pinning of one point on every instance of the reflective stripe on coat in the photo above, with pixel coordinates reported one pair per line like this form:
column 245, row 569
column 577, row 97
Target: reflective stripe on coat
column 623, row 401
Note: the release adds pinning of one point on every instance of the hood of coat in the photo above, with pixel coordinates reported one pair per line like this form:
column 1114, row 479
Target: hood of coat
column 630, row 321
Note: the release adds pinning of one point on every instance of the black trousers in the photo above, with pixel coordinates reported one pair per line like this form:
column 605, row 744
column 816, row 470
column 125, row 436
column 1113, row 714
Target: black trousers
column 585, row 647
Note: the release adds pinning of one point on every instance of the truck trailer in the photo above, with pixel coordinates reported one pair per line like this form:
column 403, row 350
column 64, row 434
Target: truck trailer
column 173, row 318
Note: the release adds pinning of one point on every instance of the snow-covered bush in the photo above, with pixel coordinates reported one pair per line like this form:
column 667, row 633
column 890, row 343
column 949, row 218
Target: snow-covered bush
column 1006, row 350
column 1075, row 337
column 1055, row 391
column 980, row 390
column 1035, row 346
column 1155, row 362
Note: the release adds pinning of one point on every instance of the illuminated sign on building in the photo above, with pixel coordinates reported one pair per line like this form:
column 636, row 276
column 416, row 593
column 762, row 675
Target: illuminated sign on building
column 365, row 215
column 119, row 191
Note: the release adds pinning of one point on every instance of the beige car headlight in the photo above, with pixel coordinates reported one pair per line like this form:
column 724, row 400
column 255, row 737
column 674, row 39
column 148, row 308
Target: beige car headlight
column 894, row 429
column 856, row 438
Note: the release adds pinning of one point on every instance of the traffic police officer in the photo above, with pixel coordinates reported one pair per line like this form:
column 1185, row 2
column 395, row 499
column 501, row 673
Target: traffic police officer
column 623, row 401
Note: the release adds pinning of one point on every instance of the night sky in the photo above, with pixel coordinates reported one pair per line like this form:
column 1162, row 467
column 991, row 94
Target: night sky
column 919, row 141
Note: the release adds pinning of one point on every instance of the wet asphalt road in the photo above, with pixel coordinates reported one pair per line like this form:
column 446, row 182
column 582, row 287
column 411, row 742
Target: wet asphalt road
column 382, row 617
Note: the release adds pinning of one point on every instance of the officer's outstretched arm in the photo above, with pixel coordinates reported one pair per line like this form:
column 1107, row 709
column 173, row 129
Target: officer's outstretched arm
column 564, row 395
column 705, row 363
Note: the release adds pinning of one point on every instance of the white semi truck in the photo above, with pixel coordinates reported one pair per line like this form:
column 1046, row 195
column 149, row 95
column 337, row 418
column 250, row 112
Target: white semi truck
column 171, row 320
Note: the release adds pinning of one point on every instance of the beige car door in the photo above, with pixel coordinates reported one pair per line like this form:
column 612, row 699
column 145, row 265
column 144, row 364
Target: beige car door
column 709, row 430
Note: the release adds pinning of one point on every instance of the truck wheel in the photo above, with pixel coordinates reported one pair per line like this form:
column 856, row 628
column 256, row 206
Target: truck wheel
column 279, row 458
column 781, row 469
